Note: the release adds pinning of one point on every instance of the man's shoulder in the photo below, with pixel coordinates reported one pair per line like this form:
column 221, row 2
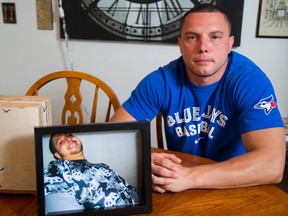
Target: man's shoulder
column 174, row 66
column 240, row 65
column 240, row 60
column 169, row 72
column 55, row 162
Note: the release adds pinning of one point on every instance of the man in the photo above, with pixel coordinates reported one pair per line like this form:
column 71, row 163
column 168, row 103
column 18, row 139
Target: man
column 217, row 104
column 71, row 182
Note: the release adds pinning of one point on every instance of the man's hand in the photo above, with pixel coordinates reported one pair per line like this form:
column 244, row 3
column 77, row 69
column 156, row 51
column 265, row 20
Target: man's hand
column 164, row 170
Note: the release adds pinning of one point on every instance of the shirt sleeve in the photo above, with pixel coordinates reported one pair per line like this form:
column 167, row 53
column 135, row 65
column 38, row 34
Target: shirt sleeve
column 257, row 106
column 145, row 101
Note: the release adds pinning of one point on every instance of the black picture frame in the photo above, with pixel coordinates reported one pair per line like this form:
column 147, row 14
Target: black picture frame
column 79, row 25
column 126, row 147
column 272, row 19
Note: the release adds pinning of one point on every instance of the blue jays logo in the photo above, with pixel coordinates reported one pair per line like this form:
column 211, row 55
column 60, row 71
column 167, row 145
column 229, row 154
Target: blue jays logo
column 267, row 104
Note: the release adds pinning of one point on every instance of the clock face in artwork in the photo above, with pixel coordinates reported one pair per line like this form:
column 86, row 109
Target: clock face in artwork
column 148, row 20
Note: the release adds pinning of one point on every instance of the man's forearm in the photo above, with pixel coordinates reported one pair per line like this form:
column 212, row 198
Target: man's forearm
column 245, row 170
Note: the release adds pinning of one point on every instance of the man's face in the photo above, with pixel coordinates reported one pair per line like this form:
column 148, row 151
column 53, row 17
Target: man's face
column 205, row 43
column 68, row 146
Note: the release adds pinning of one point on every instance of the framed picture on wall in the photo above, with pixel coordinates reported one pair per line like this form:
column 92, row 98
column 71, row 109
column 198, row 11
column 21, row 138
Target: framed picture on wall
column 272, row 19
column 94, row 169
column 131, row 20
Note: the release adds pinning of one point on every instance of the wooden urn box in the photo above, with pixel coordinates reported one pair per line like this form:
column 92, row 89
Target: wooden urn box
column 18, row 117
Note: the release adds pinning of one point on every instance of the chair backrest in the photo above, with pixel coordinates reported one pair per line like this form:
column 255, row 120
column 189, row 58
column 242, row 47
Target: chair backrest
column 72, row 112
column 159, row 131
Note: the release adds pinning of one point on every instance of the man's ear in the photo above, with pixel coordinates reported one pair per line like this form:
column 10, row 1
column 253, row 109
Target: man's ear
column 56, row 155
column 231, row 42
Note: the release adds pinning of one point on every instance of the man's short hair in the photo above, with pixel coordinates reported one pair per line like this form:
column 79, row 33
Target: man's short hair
column 208, row 8
column 52, row 147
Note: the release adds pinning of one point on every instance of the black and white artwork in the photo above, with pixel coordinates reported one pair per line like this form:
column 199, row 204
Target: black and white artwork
column 137, row 20
column 273, row 19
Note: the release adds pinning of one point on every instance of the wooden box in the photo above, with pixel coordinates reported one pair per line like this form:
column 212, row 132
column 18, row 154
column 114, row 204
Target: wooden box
column 18, row 117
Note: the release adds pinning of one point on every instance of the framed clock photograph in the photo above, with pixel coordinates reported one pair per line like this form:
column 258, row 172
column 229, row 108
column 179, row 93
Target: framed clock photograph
column 137, row 20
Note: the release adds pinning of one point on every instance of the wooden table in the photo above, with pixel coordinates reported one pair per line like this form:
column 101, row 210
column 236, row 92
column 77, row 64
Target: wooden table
column 259, row 200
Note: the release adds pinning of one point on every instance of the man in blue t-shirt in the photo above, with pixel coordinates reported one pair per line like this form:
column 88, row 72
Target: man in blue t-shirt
column 216, row 104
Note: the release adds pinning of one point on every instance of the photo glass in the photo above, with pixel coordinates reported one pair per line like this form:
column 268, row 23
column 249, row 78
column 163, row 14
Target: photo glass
column 94, row 169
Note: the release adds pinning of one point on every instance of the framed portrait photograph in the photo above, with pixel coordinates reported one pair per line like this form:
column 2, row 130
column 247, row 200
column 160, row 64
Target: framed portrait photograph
column 94, row 169
column 272, row 19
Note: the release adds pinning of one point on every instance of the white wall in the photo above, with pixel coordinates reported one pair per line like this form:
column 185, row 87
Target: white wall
column 27, row 54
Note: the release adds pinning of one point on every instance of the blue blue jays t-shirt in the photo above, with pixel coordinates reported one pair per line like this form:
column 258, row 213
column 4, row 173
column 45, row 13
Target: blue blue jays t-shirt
column 207, row 120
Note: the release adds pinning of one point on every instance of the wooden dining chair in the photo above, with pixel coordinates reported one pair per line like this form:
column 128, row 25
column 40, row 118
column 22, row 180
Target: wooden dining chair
column 159, row 131
column 72, row 112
